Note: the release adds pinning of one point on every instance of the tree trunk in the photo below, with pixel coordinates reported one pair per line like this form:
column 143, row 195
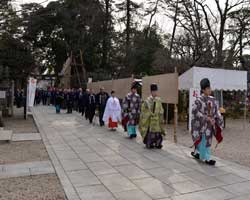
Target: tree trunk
column 174, row 29
column 241, row 46
column 220, row 57
column 128, row 29
column 151, row 19
column 105, row 35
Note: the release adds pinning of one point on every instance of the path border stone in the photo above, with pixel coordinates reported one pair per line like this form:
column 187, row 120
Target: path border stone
column 19, row 137
column 26, row 169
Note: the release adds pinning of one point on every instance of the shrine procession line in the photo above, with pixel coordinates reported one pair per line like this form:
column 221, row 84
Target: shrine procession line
column 93, row 162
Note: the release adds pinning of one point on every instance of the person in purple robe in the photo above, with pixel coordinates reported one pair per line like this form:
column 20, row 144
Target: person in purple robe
column 131, row 111
column 206, row 123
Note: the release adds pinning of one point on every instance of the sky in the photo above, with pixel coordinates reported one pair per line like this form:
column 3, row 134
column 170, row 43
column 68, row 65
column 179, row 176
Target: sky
column 165, row 24
column 30, row 1
column 209, row 2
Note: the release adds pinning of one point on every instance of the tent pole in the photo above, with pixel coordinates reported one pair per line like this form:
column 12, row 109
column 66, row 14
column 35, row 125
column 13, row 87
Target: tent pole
column 222, row 99
column 167, row 113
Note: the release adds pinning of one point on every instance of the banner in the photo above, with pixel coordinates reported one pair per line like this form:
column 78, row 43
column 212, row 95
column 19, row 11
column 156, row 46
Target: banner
column 167, row 86
column 107, row 85
column 193, row 94
column 94, row 86
column 31, row 92
column 122, row 87
column 2, row 94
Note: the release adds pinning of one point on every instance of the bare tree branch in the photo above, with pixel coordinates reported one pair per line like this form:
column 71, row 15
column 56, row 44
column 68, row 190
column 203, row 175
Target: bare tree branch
column 207, row 22
column 218, row 7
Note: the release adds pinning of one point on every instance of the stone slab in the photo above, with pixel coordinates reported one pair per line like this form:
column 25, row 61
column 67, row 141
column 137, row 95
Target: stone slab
column 95, row 192
column 26, row 137
column 155, row 188
column 117, row 183
column 132, row 195
column 6, row 135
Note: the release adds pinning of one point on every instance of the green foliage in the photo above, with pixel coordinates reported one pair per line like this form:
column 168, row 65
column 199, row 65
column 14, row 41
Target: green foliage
column 143, row 51
column 15, row 56
column 16, row 60
column 113, row 40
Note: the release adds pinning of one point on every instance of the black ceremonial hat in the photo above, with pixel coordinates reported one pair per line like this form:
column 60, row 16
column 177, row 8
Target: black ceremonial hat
column 133, row 86
column 205, row 83
column 153, row 87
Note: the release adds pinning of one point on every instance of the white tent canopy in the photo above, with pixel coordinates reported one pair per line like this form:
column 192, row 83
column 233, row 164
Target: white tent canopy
column 220, row 79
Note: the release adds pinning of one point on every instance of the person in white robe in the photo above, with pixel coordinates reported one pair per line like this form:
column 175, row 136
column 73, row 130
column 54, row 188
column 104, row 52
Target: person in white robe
column 112, row 113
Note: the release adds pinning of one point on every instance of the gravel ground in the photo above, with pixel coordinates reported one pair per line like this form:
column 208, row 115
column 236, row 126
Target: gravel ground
column 235, row 146
column 18, row 124
column 42, row 187
column 16, row 152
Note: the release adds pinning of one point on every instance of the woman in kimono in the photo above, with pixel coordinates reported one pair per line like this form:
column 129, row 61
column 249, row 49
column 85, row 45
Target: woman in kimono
column 152, row 120
column 112, row 113
column 206, row 123
column 131, row 112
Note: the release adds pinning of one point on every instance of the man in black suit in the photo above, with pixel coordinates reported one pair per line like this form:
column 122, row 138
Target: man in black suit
column 91, row 106
column 101, row 100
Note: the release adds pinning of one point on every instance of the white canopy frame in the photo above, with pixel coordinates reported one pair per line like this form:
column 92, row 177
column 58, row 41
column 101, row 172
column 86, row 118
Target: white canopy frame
column 221, row 79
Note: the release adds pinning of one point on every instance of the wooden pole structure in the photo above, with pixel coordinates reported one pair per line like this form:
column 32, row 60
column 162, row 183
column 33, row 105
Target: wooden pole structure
column 175, row 117
column 77, row 73
column 222, row 100
column 245, row 111
column 175, row 122
column 83, row 67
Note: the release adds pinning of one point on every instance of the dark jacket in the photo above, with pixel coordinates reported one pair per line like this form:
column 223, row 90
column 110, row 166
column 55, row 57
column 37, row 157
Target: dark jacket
column 101, row 99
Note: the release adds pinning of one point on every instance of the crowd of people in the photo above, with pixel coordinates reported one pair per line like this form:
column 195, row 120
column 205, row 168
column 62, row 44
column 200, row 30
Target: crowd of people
column 111, row 110
column 148, row 115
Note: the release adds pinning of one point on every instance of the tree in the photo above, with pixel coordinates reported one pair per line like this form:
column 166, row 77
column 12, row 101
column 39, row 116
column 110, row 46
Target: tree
column 218, row 37
column 15, row 54
column 154, row 7
column 143, row 52
column 238, row 31
column 174, row 8
column 8, row 18
column 16, row 57
column 107, row 32
column 69, row 28
column 130, row 8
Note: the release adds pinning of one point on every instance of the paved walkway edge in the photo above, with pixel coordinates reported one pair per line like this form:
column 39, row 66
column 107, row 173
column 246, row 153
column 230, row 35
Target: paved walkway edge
column 227, row 180
column 69, row 190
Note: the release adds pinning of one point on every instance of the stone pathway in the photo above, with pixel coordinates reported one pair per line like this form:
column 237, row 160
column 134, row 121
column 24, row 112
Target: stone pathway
column 26, row 169
column 18, row 137
column 93, row 163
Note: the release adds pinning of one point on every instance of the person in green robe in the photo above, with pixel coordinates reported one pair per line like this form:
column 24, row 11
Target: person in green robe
column 152, row 120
